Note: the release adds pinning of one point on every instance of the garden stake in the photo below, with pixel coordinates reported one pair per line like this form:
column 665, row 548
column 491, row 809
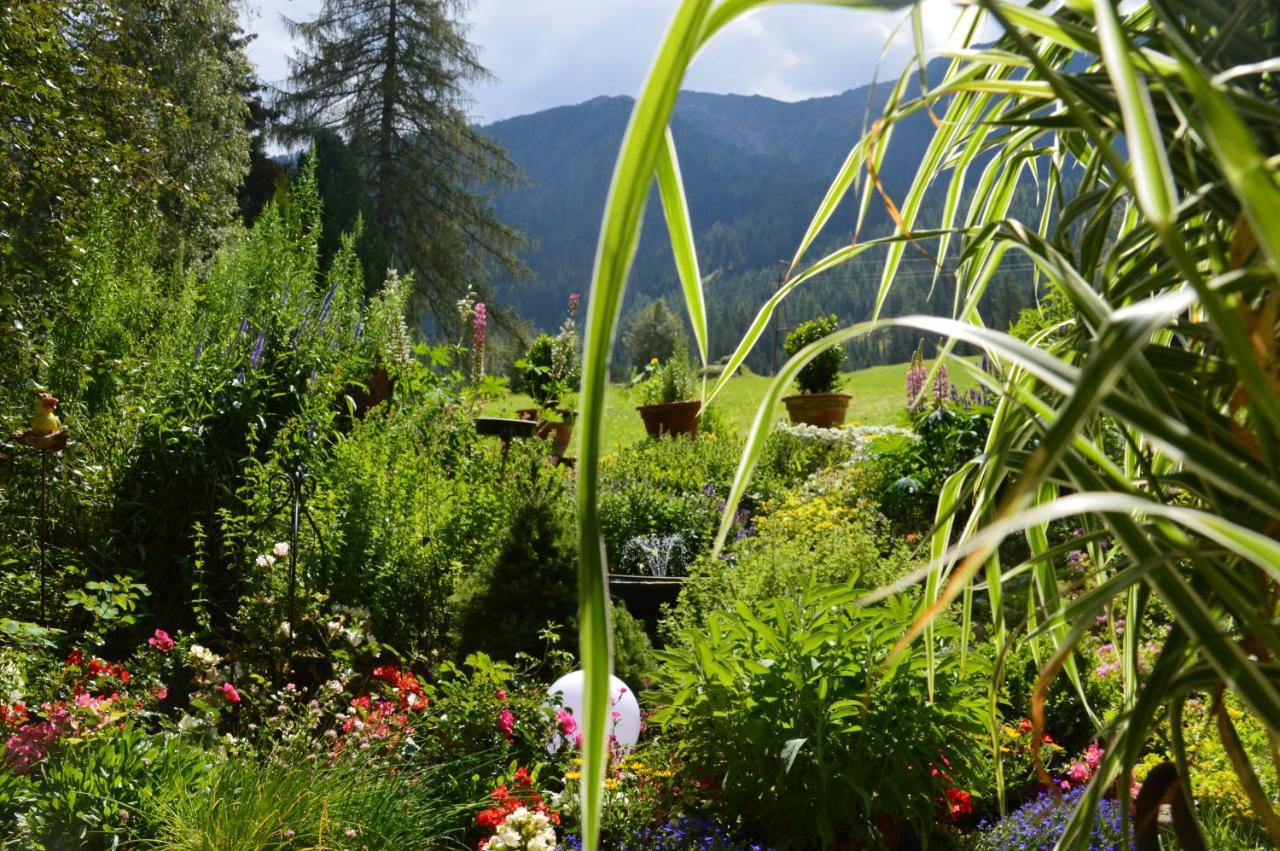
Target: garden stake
column 299, row 482
column 44, row 532
column 44, row 442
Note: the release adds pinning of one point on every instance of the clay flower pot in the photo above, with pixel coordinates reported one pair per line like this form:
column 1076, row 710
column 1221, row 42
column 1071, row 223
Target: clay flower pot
column 825, row 410
column 558, row 433
column 671, row 417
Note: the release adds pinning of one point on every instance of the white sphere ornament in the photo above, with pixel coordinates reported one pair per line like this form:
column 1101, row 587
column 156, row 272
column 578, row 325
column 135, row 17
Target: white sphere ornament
column 624, row 710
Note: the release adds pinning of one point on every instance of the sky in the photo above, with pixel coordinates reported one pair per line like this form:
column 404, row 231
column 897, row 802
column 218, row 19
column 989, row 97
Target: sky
column 545, row 53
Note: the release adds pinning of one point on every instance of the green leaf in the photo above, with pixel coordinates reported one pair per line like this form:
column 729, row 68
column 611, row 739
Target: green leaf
column 680, row 227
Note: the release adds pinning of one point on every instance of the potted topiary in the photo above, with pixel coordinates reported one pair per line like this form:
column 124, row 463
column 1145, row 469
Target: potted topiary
column 665, row 391
column 818, row 403
column 549, row 373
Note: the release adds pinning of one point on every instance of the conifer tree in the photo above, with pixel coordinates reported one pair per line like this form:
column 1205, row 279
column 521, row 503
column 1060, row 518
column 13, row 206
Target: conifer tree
column 390, row 76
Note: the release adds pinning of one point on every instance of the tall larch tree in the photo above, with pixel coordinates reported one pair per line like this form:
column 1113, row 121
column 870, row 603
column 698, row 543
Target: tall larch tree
column 390, row 76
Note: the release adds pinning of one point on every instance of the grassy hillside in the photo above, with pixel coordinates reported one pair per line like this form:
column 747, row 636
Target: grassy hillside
column 879, row 396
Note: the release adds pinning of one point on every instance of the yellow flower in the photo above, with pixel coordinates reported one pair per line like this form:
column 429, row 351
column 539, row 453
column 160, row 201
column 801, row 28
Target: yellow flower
column 572, row 775
column 653, row 362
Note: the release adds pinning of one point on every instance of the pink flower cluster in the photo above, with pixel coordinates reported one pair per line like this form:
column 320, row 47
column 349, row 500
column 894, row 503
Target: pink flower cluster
column 1082, row 769
column 916, row 375
column 91, row 695
column 479, row 334
column 568, row 726
column 32, row 742
column 160, row 642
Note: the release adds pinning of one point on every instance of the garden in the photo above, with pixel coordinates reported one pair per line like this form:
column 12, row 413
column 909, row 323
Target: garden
column 281, row 570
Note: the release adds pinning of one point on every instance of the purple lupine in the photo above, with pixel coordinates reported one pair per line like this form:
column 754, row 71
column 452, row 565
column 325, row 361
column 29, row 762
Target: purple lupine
column 479, row 333
column 574, row 300
column 916, row 375
column 244, row 327
column 941, row 384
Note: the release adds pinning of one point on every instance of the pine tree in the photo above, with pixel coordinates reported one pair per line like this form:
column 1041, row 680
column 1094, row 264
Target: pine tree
column 389, row 75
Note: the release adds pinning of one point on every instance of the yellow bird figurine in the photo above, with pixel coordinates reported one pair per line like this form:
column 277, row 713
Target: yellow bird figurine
column 44, row 421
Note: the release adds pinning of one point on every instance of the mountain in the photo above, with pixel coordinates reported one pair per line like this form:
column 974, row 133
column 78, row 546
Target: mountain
column 754, row 168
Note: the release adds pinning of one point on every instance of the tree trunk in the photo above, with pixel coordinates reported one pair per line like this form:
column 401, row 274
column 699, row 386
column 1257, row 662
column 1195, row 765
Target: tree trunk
column 386, row 132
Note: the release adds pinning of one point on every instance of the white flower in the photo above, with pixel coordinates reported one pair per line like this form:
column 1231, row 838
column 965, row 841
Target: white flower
column 523, row 830
column 202, row 657
column 286, row 630
column 353, row 637
column 281, row 550
column 334, row 627
column 334, row 686
column 187, row 723
column 265, row 561
column 353, row 612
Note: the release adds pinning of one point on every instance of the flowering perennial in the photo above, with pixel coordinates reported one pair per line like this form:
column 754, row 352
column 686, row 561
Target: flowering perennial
column 520, row 819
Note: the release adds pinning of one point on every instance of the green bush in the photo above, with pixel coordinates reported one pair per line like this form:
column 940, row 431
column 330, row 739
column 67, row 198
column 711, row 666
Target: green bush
column 668, row 381
column 633, row 659
column 101, row 791
column 504, row 602
column 661, row 501
column 805, row 538
column 786, row 710
column 822, row 374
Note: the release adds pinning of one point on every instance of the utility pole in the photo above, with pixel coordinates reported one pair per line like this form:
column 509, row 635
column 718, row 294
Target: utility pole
column 779, row 316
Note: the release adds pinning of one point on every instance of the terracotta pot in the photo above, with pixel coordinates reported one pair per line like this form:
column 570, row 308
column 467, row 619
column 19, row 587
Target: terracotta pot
column 671, row 417
column 559, row 433
column 825, row 410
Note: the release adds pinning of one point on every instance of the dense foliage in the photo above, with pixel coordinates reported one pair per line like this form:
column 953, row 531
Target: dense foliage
column 277, row 590
column 1144, row 414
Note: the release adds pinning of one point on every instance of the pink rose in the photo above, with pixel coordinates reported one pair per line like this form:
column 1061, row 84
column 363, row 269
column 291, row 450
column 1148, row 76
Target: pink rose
column 506, row 723
column 161, row 641
column 230, row 693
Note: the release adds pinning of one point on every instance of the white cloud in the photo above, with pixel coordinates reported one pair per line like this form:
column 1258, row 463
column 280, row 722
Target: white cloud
column 545, row 53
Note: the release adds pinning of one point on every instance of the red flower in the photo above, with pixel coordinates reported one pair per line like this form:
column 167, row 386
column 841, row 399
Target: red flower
column 959, row 803
column 230, row 693
column 75, row 659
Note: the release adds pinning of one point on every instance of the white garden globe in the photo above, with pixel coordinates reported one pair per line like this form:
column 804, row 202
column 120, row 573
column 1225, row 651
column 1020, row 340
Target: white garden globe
column 624, row 709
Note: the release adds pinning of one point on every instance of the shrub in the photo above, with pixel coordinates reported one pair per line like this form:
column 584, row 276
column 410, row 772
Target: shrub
column 767, row 702
column 102, row 791
column 661, row 500
column 503, row 604
column 803, row 539
column 822, row 374
column 633, row 659
column 668, row 381
column 405, row 506
column 550, row 370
